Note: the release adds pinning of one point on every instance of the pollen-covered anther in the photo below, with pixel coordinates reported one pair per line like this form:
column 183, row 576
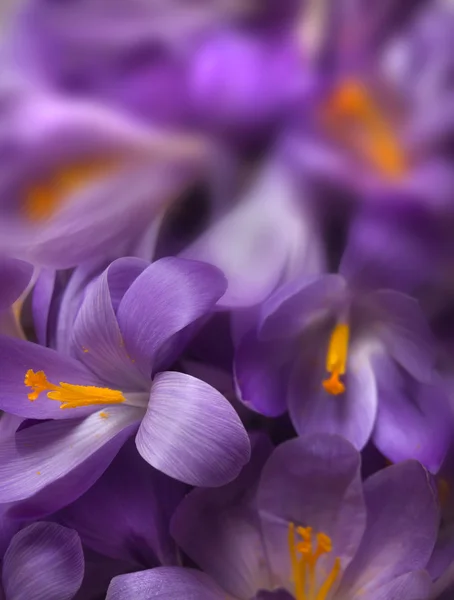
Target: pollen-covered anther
column 68, row 394
column 336, row 359
column 38, row 382
column 304, row 560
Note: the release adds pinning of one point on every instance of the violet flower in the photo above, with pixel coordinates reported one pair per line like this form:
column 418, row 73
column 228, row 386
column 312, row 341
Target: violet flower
column 79, row 178
column 373, row 129
column 348, row 361
column 43, row 560
column 229, row 67
column 131, row 326
column 300, row 524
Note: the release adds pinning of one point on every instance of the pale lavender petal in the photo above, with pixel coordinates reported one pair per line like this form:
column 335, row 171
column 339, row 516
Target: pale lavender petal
column 416, row 585
column 226, row 518
column 191, row 432
column 44, row 560
column 405, row 332
column 165, row 583
column 15, row 275
column 401, row 531
column 43, row 453
column 260, row 255
column 312, row 409
column 97, row 341
column 413, row 419
column 167, row 297
column 312, row 481
column 300, row 303
column 16, row 358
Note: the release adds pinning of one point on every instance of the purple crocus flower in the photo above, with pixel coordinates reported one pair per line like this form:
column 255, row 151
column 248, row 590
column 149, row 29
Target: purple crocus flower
column 299, row 524
column 78, row 178
column 43, row 560
column 373, row 129
column 131, row 326
column 349, row 361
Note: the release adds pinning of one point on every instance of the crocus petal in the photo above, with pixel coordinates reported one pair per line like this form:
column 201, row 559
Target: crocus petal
column 261, row 255
column 93, row 220
column 312, row 409
column 226, row 519
column 164, row 583
column 16, row 358
column 191, row 432
column 167, row 297
column 96, row 338
column 413, row 419
column 150, row 498
column 321, row 478
column 41, row 303
column 400, row 533
column 299, row 303
column 42, row 454
column 411, row 586
column 261, row 374
column 44, row 560
column 405, row 332
column 15, row 275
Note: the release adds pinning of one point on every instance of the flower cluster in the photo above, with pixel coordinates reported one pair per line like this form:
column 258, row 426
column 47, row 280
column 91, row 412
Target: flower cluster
column 226, row 300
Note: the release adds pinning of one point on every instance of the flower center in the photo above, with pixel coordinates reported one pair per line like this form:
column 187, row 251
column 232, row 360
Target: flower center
column 44, row 198
column 352, row 113
column 69, row 395
column 336, row 359
column 304, row 558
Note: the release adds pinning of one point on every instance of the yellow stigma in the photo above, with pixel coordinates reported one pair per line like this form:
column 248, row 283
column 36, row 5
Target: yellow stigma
column 336, row 359
column 304, row 558
column 43, row 198
column 69, row 395
column 354, row 114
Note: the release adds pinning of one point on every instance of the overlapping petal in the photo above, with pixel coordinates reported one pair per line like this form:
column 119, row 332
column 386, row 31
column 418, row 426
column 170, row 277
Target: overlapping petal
column 44, row 560
column 191, row 432
column 168, row 296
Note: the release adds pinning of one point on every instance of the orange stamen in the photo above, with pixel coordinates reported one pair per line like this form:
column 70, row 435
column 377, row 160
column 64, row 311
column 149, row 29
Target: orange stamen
column 365, row 128
column 336, row 359
column 304, row 562
column 69, row 395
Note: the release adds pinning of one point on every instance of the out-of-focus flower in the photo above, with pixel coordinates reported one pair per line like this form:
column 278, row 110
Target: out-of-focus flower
column 270, row 236
column 226, row 67
column 305, row 527
column 382, row 70
column 44, row 560
column 78, row 179
column 348, row 361
column 114, row 383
